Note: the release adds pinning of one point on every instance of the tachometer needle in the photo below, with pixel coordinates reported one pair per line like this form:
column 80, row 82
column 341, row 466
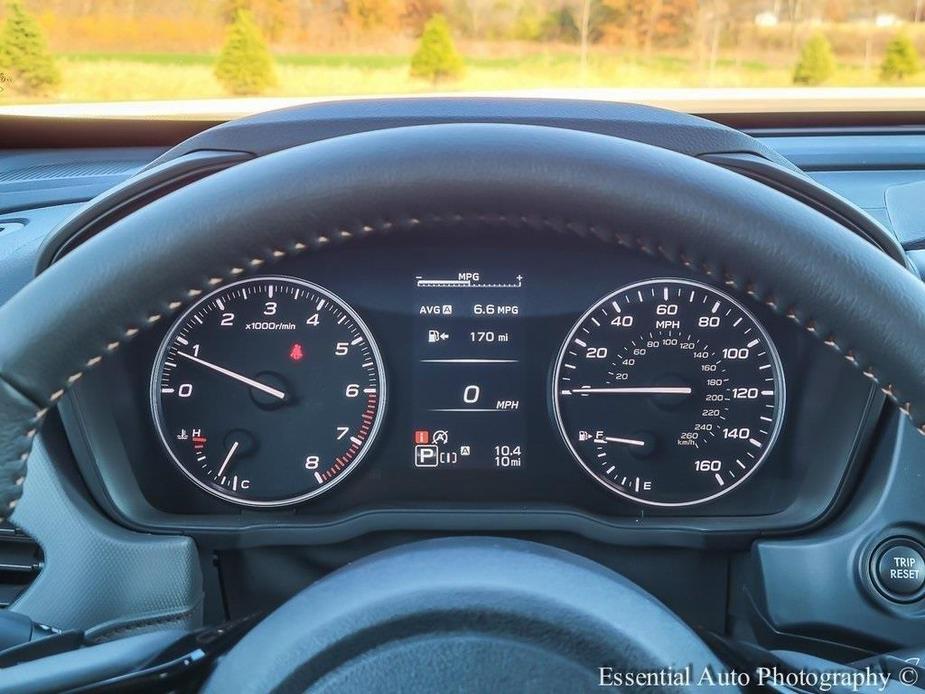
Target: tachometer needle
column 617, row 439
column 631, row 390
column 269, row 390
column 234, row 447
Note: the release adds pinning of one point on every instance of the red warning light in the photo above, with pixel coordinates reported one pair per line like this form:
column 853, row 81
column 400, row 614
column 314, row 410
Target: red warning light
column 422, row 436
column 296, row 353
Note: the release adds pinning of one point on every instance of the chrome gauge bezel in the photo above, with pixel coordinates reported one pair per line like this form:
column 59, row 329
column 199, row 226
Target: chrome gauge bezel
column 156, row 405
column 780, row 386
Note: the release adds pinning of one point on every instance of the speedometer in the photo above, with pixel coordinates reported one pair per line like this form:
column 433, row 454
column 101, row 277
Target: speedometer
column 668, row 392
column 268, row 392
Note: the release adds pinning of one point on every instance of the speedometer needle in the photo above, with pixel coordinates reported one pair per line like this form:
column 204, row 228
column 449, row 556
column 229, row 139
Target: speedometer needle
column 654, row 390
column 234, row 447
column 269, row 390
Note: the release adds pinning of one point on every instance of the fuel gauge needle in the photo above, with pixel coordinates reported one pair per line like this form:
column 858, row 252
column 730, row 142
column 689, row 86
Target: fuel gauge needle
column 221, row 470
column 617, row 439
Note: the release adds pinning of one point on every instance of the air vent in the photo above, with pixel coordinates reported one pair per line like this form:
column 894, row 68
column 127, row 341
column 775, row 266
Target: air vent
column 48, row 172
column 20, row 562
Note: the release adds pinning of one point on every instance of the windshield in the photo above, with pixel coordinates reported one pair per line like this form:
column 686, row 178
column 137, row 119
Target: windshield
column 209, row 58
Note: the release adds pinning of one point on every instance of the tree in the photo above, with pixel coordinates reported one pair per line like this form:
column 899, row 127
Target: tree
column 584, row 28
column 373, row 15
column 272, row 16
column 560, row 25
column 417, row 12
column 817, row 62
column 644, row 24
column 711, row 18
column 901, row 60
column 436, row 58
column 24, row 57
column 245, row 65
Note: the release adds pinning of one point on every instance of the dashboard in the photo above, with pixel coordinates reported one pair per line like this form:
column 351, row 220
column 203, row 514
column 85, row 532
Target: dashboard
column 548, row 380
column 458, row 413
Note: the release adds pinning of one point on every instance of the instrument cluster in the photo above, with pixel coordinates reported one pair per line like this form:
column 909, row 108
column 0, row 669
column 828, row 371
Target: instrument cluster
column 471, row 371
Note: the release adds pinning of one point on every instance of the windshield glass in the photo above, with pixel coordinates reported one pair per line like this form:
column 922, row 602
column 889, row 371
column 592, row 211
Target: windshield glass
column 227, row 57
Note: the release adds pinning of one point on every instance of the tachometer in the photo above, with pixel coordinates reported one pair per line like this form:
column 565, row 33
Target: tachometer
column 268, row 392
column 669, row 392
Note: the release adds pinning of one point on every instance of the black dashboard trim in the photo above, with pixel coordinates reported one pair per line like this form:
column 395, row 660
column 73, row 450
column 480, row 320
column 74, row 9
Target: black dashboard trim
column 273, row 131
column 816, row 196
column 215, row 148
column 121, row 200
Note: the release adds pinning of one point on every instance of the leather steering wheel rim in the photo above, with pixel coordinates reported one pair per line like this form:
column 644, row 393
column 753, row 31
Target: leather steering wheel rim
column 149, row 265
column 479, row 614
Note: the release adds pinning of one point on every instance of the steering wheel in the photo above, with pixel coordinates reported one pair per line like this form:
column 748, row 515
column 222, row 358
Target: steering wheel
column 446, row 613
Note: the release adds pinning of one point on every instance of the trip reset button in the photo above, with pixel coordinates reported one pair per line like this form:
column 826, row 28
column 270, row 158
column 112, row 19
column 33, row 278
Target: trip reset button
column 898, row 569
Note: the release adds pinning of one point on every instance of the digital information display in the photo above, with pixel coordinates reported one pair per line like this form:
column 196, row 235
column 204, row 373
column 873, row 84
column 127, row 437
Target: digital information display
column 469, row 372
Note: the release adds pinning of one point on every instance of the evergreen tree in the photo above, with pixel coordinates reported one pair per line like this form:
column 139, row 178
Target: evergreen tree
column 901, row 60
column 25, row 60
column 817, row 62
column 436, row 58
column 245, row 65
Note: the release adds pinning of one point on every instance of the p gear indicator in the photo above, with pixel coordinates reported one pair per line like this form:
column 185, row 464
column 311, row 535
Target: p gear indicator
column 469, row 375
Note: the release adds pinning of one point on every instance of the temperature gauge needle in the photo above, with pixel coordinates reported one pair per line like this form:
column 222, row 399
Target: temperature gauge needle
column 269, row 390
column 234, row 447
column 617, row 439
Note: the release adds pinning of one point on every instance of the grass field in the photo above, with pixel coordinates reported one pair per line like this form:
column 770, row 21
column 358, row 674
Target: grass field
column 147, row 76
